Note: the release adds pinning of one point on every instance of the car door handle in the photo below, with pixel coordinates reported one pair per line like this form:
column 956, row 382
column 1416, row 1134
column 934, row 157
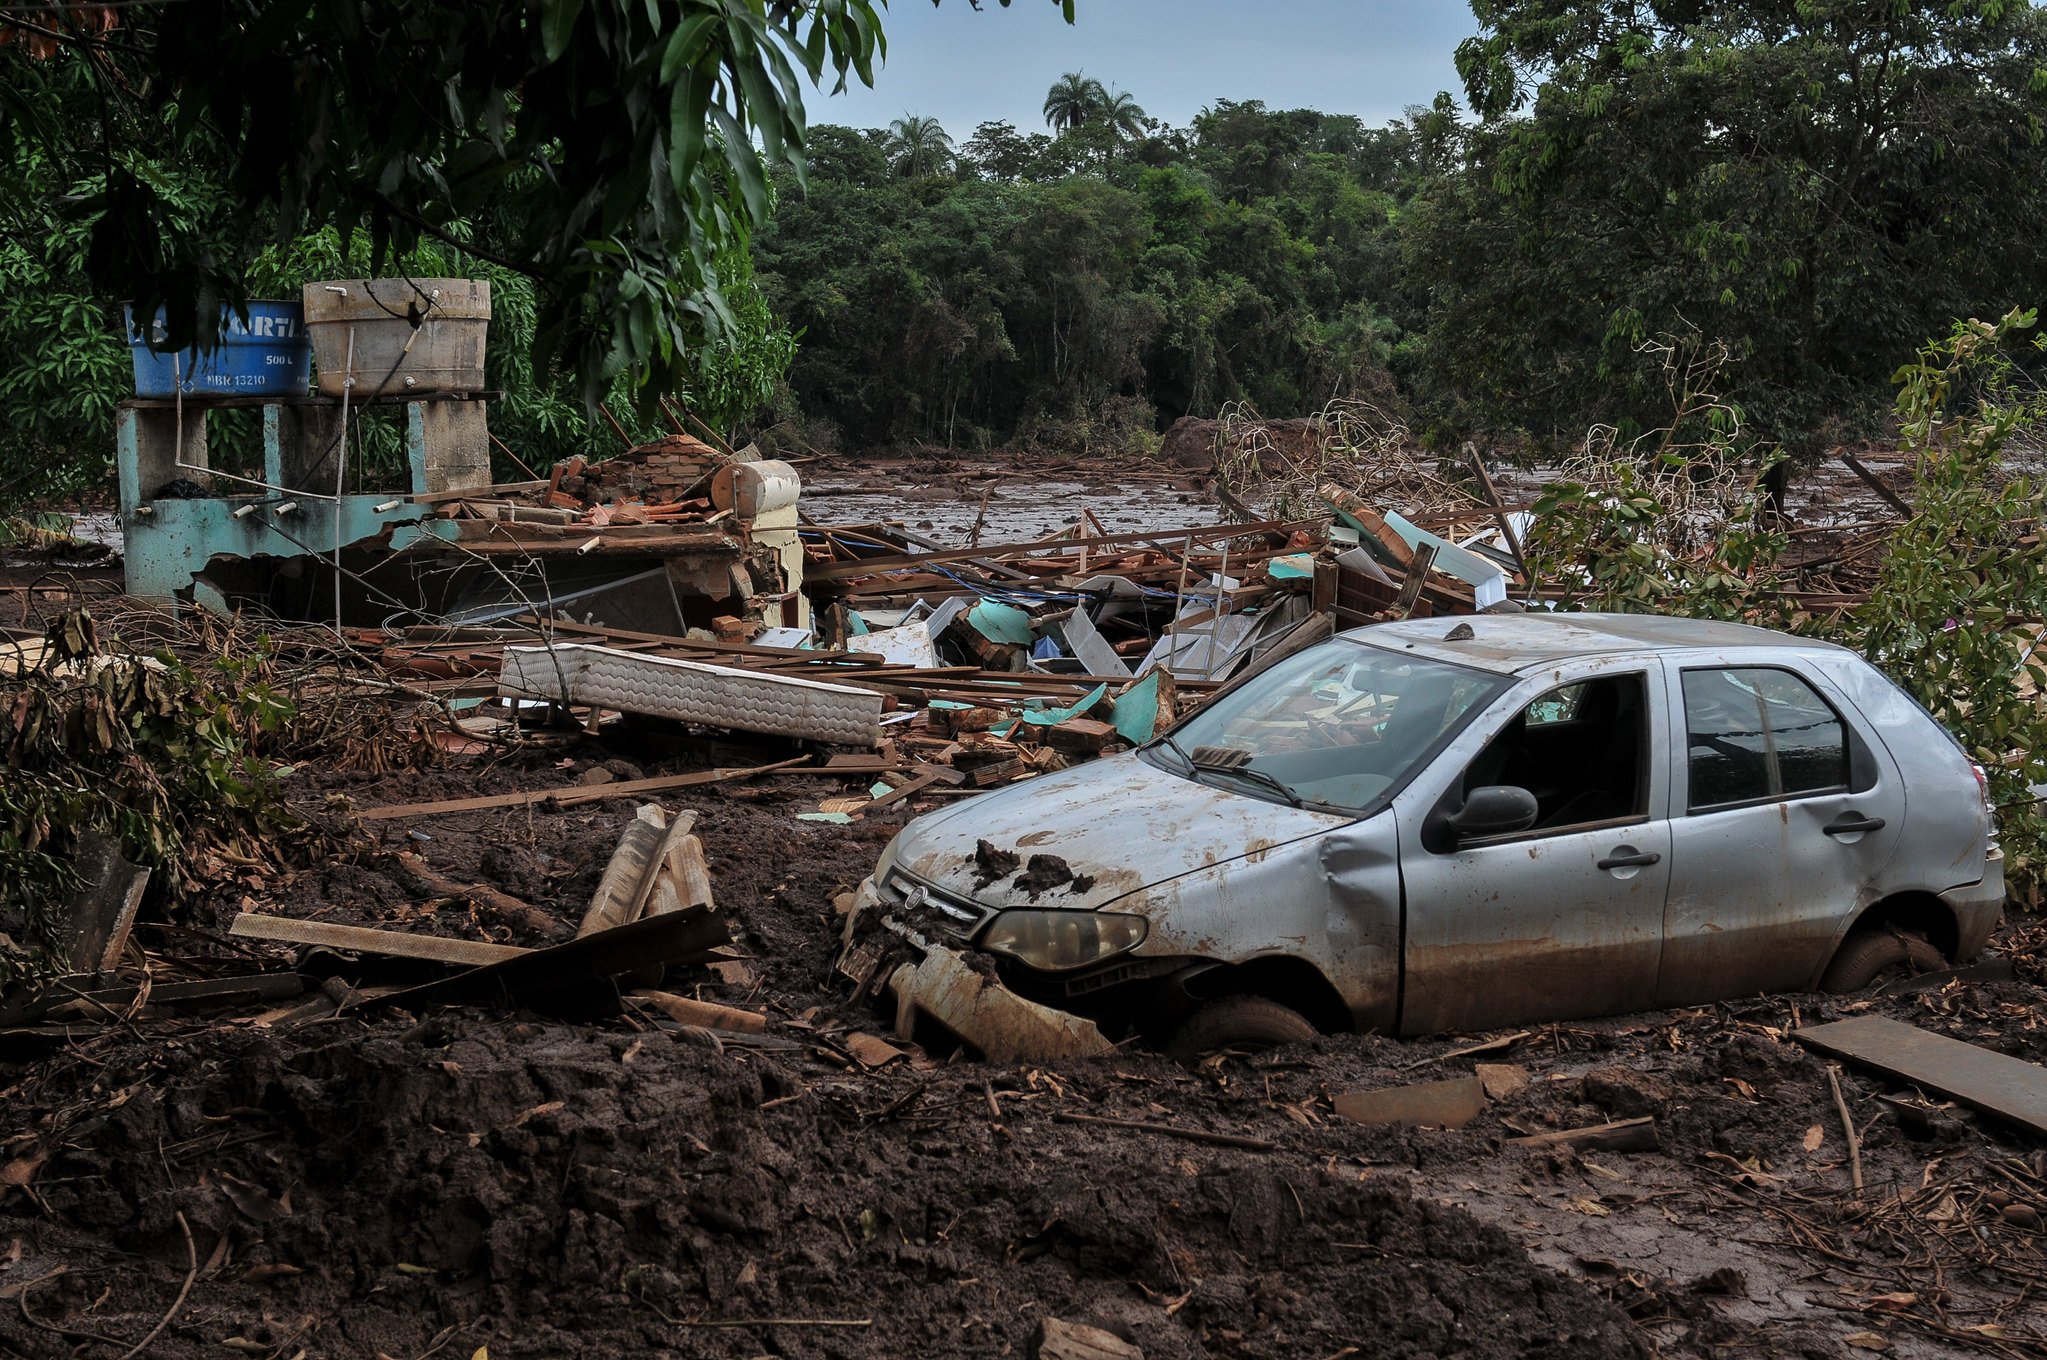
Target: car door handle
column 1628, row 857
column 1849, row 823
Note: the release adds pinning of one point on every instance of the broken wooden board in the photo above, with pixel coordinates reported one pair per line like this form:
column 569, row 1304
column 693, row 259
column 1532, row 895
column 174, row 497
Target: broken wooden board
column 685, row 1010
column 102, row 911
column 922, row 780
column 1625, row 1135
column 220, row 991
column 1449, row 1104
column 629, row 874
column 2011, row 1090
column 397, row 944
column 572, row 794
column 577, row 969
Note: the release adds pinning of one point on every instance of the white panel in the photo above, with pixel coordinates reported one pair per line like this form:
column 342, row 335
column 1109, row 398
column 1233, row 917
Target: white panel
column 692, row 691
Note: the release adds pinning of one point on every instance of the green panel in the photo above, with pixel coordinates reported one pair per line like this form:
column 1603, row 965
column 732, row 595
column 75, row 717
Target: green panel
column 174, row 543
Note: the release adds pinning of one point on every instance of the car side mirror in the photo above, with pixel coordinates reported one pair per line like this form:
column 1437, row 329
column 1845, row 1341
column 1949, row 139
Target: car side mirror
column 1494, row 810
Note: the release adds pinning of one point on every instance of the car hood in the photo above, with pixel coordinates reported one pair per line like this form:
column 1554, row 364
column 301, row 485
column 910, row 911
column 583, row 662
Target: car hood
column 1107, row 828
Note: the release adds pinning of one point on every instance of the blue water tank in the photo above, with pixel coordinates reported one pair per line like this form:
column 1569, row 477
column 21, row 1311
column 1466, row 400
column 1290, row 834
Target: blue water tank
column 266, row 356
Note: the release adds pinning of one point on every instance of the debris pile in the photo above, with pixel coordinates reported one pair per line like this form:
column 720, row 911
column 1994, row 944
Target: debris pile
column 533, row 1005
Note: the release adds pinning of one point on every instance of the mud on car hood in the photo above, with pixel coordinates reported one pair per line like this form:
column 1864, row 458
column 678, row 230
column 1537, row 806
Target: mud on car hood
column 1082, row 838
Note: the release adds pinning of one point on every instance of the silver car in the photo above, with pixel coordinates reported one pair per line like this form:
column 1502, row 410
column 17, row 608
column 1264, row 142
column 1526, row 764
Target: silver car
column 1455, row 824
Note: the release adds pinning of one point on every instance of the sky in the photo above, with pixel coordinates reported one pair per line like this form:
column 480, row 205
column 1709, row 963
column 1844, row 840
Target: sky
column 1371, row 58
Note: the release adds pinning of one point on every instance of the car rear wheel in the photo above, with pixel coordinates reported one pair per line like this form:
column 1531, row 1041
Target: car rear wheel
column 1865, row 957
column 1238, row 1022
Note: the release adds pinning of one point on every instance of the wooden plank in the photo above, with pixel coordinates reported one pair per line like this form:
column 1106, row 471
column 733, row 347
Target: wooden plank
column 477, row 492
column 1417, row 576
column 1501, row 515
column 1447, row 1104
column 256, row 986
column 1875, row 483
column 577, row 971
column 923, row 780
column 571, row 794
column 629, row 874
column 1625, row 1135
column 1353, row 507
column 2005, row 1087
column 363, row 939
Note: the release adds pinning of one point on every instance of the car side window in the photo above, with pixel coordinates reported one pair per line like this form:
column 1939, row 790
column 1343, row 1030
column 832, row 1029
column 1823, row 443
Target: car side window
column 1559, row 705
column 1581, row 749
column 1758, row 734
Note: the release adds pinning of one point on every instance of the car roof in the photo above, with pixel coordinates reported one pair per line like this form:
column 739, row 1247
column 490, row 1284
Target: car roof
column 1526, row 641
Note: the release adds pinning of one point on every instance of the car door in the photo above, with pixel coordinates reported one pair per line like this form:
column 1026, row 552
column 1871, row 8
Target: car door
column 1563, row 919
column 1784, row 815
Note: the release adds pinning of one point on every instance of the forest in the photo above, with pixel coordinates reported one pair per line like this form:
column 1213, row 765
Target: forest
column 1819, row 186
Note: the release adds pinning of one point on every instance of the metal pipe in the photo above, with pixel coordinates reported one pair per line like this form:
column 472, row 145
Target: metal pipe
column 251, row 481
column 341, row 467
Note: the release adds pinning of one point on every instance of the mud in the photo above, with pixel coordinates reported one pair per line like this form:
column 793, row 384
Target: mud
column 459, row 1178
column 1044, row 873
column 1006, row 496
column 991, row 863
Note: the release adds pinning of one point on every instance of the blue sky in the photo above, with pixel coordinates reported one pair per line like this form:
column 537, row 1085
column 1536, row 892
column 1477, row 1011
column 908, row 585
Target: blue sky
column 1367, row 57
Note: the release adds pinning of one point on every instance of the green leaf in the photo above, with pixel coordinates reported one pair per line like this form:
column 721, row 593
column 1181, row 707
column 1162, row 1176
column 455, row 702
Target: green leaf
column 557, row 25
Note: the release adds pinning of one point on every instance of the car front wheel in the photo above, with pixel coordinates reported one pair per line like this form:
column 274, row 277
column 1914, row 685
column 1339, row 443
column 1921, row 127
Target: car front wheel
column 1249, row 1022
column 1865, row 957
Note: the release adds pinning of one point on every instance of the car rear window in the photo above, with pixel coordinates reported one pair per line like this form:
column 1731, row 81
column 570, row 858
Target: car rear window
column 1756, row 734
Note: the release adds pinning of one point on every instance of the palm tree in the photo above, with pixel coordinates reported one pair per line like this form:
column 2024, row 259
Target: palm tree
column 1073, row 100
column 1121, row 115
column 918, row 147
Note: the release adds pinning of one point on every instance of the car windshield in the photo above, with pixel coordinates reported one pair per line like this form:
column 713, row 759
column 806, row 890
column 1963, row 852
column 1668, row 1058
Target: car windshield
column 1339, row 725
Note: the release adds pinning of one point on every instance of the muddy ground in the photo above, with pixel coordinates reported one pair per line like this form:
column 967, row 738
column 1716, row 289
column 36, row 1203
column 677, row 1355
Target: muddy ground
column 407, row 1184
column 451, row 1179
column 1006, row 496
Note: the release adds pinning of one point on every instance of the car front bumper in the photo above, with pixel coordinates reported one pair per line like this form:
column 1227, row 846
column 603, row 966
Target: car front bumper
column 929, row 980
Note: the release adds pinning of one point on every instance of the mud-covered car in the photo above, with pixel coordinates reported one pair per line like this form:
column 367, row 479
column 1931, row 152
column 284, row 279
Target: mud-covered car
column 1457, row 824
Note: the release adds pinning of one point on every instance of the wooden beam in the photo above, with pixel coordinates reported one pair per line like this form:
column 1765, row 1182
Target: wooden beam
column 572, row 794
column 363, row 939
column 479, row 492
column 1626, row 1135
column 1417, row 577
column 1501, row 516
column 1875, row 483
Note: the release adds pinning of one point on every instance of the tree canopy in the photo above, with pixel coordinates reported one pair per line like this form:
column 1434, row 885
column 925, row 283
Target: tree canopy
column 1823, row 184
column 1081, row 289
column 612, row 151
column 1816, row 185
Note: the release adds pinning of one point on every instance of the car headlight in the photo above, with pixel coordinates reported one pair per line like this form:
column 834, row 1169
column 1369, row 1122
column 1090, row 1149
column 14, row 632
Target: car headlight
column 1055, row 941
